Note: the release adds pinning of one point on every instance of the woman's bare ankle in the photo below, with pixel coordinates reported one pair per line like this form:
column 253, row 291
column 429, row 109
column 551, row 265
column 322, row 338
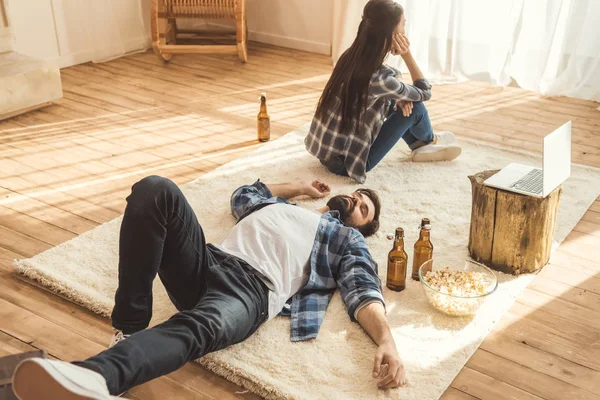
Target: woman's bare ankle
column 420, row 143
column 417, row 144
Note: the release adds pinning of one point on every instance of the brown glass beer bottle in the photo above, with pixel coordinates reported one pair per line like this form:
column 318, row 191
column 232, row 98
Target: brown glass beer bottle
column 423, row 248
column 397, row 264
column 263, row 120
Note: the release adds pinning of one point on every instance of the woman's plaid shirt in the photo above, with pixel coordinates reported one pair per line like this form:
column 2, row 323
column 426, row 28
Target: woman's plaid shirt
column 325, row 139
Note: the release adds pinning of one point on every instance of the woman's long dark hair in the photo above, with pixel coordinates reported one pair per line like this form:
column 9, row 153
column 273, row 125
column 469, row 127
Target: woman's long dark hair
column 353, row 71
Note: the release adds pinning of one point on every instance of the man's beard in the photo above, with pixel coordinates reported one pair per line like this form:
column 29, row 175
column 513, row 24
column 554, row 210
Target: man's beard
column 344, row 205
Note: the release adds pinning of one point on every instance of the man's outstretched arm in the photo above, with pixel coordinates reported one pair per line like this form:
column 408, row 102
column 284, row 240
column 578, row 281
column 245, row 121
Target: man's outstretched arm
column 315, row 189
column 373, row 320
column 360, row 288
column 249, row 198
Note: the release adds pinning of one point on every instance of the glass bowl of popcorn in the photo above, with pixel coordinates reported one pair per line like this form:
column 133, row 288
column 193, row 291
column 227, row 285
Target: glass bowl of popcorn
column 456, row 286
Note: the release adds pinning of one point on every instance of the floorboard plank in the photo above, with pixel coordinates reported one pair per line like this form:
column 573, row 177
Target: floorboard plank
column 483, row 386
column 571, row 277
column 455, row 394
column 10, row 345
column 19, row 243
column 533, row 382
column 570, row 311
column 563, row 291
column 540, row 361
column 6, row 261
column 545, row 339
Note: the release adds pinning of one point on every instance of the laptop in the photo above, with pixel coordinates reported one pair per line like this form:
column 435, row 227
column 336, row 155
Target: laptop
column 538, row 182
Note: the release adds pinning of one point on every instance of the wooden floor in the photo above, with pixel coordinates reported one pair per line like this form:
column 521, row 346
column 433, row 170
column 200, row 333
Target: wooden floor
column 67, row 168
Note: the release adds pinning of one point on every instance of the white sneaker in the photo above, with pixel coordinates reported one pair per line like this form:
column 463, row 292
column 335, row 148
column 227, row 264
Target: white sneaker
column 40, row 378
column 436, row 152
column 445, row 137
column 119, row 336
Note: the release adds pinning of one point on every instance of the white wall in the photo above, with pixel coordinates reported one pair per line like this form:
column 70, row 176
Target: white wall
column 70, row 32
column 299, row 24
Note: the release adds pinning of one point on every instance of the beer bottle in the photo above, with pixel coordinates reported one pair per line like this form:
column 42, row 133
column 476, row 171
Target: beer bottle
column 397, row 263
column 264, row 122
column 423, row 248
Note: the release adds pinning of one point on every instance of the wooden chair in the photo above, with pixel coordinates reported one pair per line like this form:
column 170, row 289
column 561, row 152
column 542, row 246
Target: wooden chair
column 165, row 34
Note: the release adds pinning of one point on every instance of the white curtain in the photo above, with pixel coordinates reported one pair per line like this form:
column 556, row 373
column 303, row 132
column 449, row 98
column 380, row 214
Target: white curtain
column 549, row 46
column 346, row 18
column 97, row 31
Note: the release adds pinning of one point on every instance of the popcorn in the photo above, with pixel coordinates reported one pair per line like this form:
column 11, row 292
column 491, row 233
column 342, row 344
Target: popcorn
column 465, row 284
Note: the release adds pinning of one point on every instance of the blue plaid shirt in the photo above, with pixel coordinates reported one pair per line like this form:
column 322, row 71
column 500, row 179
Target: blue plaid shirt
column 340, row 259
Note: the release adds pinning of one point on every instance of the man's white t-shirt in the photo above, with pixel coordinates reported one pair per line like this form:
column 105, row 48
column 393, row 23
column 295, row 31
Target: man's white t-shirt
column 277, row 241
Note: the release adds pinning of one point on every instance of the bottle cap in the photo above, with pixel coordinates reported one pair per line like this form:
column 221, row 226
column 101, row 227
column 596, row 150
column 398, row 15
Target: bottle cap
column 425, row 224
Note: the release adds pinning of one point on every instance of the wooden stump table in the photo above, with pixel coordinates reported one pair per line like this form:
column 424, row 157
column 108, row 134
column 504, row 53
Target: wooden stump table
column 511, row 232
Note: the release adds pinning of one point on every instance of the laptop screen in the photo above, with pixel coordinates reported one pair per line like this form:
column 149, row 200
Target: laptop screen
column 557, row 158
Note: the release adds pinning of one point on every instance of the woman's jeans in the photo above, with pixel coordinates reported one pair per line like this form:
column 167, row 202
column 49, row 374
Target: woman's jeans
column 414, row 129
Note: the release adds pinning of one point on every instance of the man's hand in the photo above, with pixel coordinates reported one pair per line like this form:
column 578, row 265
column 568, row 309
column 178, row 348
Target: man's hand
column 316, row 189
column 405, row 106
column 400, row 44
column 387, row 358
column 388, row 367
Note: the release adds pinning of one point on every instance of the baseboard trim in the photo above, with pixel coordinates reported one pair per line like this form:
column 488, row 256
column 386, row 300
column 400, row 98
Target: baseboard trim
column 283, row 41
column 131, row 46
column 290, row 42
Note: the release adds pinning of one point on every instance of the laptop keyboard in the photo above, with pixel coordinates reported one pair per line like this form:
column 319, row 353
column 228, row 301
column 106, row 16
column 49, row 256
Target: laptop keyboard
column 533, row 182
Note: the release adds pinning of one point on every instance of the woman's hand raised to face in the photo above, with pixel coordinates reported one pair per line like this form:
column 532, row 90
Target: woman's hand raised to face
column 400, row 44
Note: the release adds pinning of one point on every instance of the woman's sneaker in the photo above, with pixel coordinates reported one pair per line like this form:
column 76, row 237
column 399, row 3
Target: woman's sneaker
column 444, row 137
column 436, row 152
column 40, row 378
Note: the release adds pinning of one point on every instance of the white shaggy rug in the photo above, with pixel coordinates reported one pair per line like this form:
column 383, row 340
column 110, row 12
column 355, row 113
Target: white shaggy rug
column 338, row 364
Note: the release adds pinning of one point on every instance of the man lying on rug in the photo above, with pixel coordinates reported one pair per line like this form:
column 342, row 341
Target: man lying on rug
column 277, row 251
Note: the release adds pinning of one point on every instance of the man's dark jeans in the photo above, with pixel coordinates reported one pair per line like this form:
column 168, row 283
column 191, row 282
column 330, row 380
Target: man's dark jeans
column 220, row 299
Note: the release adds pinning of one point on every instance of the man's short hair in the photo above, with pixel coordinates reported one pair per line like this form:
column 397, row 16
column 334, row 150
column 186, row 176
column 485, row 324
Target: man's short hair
column 372, row 227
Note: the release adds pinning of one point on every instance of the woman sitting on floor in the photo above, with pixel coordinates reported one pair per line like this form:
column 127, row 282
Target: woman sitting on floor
column 364, row 109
